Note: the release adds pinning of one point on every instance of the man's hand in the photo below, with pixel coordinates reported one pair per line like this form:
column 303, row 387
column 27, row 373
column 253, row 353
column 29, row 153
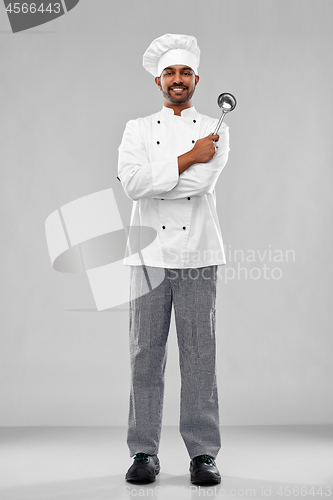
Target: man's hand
column 202, row 151
column 204, row 148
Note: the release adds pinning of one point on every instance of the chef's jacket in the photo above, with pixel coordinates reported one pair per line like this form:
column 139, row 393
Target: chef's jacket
column 181, row 208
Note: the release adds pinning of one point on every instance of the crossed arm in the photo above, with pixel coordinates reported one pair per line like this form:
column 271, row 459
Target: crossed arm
column 191, row 174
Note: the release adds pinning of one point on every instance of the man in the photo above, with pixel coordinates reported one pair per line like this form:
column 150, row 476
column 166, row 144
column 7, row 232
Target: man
column 169, row 164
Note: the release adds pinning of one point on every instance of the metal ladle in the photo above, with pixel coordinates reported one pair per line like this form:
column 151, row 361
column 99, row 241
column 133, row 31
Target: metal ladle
column 227, row 102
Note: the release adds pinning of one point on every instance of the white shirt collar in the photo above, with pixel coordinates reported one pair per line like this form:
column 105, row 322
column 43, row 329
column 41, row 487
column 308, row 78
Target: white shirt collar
column 186, row 113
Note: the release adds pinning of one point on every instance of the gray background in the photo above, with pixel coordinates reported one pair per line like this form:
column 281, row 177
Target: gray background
column 67, row 89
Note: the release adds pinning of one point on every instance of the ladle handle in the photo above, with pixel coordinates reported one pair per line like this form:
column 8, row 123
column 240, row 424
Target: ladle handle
column 219, row 123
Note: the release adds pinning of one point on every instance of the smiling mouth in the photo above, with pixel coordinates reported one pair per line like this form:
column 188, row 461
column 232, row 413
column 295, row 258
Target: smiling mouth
column 178, row 89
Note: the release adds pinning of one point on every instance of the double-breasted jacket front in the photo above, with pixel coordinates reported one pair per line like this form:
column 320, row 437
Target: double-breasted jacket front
column 180, row 207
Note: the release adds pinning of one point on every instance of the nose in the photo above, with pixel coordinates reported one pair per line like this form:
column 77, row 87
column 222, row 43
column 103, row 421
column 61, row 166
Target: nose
column 178, row 78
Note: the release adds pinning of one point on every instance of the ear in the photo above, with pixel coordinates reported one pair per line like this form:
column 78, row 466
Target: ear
column 197, row 78
column 158, row 81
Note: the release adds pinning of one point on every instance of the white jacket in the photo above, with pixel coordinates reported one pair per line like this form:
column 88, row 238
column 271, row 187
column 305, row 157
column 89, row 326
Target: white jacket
column 181, row 209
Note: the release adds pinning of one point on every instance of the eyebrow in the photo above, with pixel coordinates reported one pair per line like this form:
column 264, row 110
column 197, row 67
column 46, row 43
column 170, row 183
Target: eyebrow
column 183, row 68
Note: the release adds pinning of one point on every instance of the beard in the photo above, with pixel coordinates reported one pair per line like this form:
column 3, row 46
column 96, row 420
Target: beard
column 180, row 100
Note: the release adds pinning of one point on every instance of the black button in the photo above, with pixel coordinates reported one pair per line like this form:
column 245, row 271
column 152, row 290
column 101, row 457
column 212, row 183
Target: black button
column 194, row 121
column 188, row 198
column 193, row 142
column 158, row 121
column 162, row 198
column 158, row 142
column 184, row 227
column 163, row 227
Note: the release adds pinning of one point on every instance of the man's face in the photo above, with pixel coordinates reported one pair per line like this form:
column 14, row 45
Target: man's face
column 177, row 83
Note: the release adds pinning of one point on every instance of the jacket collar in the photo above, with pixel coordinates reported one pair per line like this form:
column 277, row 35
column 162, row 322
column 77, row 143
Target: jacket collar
column 186, row 113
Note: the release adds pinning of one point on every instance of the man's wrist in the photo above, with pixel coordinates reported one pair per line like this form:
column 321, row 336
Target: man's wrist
column 185, row 161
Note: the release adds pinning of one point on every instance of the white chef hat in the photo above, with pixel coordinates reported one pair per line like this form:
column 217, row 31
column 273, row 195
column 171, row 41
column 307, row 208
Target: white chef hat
column 171, row 49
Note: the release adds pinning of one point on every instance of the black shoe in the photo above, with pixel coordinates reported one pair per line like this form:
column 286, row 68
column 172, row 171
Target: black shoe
column 144, row 468
column 204, row 471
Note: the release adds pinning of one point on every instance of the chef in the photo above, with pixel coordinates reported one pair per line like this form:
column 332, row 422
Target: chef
column 169, row 164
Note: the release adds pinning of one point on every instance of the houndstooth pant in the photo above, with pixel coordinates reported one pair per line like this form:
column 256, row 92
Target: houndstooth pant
column 193, row 295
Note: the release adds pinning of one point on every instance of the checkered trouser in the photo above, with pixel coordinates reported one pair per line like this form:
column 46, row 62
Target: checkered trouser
column 193, row 295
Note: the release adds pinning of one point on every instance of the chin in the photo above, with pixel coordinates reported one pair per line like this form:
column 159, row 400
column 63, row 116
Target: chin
column 178, row 101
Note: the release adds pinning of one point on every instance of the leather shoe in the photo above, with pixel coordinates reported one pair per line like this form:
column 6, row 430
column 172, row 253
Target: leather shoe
column 144, row 468
column 204, row 471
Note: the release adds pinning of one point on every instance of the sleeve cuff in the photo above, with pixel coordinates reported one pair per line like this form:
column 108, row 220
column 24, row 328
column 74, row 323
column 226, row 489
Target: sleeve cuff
column 165, row 175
